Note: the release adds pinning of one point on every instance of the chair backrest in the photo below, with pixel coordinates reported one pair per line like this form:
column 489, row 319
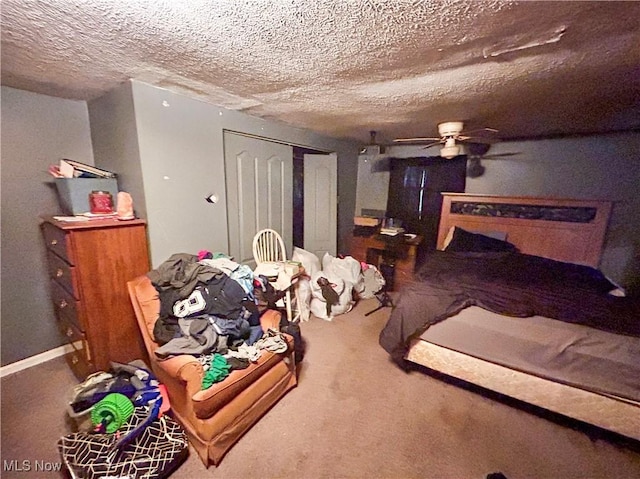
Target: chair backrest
column 268, row 246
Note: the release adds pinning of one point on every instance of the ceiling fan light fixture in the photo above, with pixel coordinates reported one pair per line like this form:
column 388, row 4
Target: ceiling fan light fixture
column 450, row 128
column 449, row 152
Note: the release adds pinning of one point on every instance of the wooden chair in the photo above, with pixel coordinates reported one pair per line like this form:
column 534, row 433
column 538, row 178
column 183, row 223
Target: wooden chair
column 268, row 246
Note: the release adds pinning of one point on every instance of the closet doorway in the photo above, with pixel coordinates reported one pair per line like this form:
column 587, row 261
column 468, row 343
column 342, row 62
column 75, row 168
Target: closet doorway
column 268, row 186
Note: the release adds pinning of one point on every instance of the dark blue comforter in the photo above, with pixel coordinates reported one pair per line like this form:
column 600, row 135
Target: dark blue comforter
column 512, row 284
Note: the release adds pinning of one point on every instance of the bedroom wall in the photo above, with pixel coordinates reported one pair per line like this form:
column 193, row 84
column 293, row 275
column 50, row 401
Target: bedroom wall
column 373, row 186
column 37, row 131
column 181, row 160
column 595, row 167
column 114, row 136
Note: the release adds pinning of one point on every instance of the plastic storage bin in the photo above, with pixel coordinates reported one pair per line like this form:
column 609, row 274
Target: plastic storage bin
column 73, row 193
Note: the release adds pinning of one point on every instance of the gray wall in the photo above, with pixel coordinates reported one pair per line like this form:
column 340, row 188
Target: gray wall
column 603, row 167
column 152, row 138
column 37, row 131
column 115, row 141
column 181, row 161
column 135, row 134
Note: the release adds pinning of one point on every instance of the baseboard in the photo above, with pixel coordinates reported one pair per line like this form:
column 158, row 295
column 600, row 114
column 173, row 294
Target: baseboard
column 35, row 360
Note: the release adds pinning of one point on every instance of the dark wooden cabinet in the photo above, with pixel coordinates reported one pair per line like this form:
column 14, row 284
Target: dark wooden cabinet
column 377, row 249
column 89, row 265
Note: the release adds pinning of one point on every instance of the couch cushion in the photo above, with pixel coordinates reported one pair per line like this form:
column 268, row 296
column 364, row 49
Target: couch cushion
column 208, row 401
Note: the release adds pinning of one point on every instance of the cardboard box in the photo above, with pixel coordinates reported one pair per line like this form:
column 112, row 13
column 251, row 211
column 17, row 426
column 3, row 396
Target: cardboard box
column 73, row 193
column 366, row 221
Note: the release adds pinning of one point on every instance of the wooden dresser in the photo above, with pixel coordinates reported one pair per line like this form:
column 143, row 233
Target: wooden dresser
column 376, row 249
column 89, row 265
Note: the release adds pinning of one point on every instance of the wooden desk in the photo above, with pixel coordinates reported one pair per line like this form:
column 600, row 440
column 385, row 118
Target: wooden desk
column 377, row 249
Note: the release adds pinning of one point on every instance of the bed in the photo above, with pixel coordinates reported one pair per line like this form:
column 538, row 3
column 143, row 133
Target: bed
column 513, row 302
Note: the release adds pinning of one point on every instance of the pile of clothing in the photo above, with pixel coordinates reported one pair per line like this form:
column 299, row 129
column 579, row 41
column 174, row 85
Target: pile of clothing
column 210, row 307
column 133, row 380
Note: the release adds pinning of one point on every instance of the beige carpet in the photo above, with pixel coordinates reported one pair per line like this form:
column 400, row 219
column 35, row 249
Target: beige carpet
column 353, row 414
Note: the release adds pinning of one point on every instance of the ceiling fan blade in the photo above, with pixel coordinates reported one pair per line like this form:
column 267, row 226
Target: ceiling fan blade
column 475, row 168
column 478, row 139
column 429, row 145
column 478, row 130
column 415, row 140
column 499, row 155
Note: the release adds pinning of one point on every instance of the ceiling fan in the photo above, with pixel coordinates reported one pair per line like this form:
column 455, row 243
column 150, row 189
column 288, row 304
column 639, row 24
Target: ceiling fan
column 451, row 134
column 477, row 152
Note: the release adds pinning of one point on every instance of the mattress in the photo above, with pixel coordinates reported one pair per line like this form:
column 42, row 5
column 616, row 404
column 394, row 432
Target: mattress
column 514, row 356
column 565, row 352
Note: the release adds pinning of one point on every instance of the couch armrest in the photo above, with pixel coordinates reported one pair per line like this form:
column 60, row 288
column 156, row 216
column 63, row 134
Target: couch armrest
column 270, row 319
column 185, row 368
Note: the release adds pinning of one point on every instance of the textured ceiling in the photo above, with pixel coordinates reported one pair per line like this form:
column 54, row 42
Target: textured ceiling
column 344, row 67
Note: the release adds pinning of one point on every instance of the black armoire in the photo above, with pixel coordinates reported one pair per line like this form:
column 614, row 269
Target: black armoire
column 414, row 196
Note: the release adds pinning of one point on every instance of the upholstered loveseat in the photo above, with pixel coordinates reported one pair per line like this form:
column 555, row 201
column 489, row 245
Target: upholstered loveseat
column 214, row 418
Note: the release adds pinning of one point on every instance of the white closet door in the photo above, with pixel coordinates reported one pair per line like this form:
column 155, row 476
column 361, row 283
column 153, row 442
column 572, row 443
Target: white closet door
column 259, row 182
column 320, row 204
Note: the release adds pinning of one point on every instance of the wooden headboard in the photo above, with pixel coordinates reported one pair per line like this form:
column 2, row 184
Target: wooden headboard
column 561, row 229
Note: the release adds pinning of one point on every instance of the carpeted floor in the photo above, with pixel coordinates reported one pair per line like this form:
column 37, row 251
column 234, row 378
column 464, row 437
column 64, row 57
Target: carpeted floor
column 353, row 414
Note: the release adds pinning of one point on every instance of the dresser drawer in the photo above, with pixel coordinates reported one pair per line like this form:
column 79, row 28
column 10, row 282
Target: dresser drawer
column 78, row 361
column 63, row 274
column 65, row 306
column 80, row 356
column 57, row 241
column 72, row 333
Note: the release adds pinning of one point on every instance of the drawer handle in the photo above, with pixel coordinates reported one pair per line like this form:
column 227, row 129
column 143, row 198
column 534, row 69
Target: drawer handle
column 59, row 273
column 69, row 332
column 54, row 242
column 74, row 359
column 63, row 304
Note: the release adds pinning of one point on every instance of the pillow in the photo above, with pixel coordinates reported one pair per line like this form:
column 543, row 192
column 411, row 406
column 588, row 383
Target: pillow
column 465, row 241
column 448, row 238
column 501, row 235
column 617, row 290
